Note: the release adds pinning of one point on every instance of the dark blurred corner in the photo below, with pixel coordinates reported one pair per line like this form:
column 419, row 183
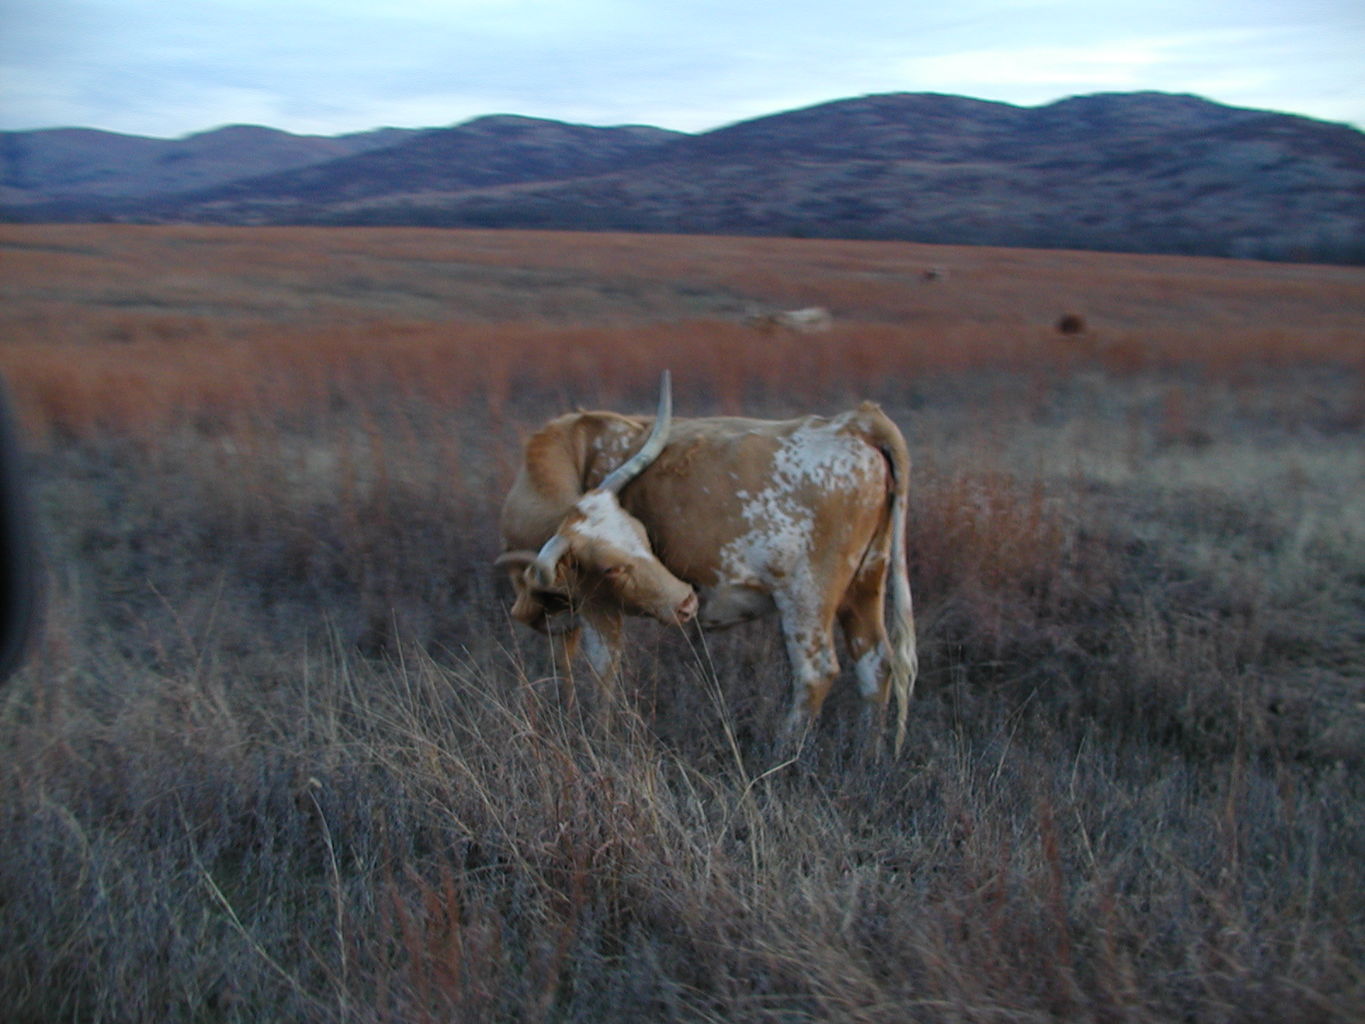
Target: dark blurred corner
column 18, row 557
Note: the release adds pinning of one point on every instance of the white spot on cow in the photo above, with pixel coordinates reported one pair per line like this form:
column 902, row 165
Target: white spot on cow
column 869, row 671
column 815, row 458
column 613, row 445
column 775, row 550
column 605, row 520
column 820, row 454
column 601, row 655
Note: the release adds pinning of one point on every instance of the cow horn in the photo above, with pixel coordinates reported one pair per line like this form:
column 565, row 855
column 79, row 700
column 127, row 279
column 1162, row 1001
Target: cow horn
column 542, row 567
column 514, row 559
column 654, row 443
column 541, row 564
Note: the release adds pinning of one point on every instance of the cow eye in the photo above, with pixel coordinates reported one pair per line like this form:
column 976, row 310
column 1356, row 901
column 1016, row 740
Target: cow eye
column 553, row 601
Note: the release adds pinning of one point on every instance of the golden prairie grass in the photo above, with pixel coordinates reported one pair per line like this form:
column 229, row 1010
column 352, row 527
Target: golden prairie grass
column 281, row 755
column 203, row 316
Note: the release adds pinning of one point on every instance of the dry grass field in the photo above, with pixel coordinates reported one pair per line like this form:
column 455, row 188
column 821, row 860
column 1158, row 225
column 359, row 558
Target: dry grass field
column 281, row 755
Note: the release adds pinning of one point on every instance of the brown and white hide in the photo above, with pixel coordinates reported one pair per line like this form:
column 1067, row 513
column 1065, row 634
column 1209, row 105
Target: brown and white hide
column 733, row 519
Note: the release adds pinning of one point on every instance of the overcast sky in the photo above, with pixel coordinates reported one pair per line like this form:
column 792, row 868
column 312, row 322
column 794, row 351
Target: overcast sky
column 152, row 67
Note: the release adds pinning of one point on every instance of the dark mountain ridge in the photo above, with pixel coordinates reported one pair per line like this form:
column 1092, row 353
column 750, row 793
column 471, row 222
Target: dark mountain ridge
column 84, row 164
column 1136, row 171
column 496, row 150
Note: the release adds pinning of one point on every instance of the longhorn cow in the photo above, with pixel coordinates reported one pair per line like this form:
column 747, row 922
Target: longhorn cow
column 719, row 521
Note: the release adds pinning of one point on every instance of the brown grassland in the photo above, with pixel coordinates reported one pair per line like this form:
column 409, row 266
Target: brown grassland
column 280, row 754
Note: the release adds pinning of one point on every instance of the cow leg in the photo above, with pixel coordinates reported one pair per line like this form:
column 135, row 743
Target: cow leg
column 862, row 618
column 809, row 635
column 563, row 648
column 598, row 639
column 601, row 647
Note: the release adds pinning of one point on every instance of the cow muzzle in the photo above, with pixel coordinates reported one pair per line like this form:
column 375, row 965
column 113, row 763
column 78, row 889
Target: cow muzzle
column 686, row 610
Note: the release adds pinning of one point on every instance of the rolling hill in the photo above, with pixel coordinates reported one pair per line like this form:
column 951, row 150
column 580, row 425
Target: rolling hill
column 1129, row 171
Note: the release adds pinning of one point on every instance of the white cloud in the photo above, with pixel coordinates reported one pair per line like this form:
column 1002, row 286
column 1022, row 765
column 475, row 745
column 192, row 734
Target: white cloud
column 1117, row 66
column 1118, row 63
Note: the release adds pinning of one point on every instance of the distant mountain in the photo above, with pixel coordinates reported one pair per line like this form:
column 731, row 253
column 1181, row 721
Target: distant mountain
column 1134, row 171
column 81, row 165
column 487, row 152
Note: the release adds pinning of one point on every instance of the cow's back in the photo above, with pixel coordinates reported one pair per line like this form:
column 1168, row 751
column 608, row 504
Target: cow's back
column 725, row 487
column 715, row 482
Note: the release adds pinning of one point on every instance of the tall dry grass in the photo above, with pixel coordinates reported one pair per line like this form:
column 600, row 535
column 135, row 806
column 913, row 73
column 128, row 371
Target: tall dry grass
column 282, row 756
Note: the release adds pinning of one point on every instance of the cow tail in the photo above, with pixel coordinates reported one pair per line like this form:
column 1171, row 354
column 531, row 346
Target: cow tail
column 901, row 634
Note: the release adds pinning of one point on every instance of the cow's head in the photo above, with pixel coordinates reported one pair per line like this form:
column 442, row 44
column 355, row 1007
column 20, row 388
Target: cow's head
column 600, row 554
